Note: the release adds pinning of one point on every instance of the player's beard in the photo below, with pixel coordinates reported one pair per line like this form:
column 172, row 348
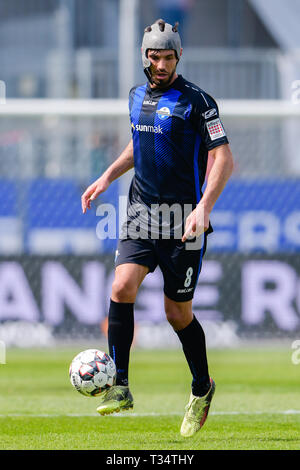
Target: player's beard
column 162, row 82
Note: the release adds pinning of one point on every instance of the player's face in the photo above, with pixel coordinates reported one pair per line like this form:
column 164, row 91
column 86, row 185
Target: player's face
column 163, row 67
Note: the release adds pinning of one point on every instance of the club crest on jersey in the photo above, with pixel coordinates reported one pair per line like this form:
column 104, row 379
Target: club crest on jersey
column 163, row 113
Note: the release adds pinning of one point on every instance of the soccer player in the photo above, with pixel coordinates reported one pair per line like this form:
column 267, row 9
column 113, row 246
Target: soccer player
column 174, row 125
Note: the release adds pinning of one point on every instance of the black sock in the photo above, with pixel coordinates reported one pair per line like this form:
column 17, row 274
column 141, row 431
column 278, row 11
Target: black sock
column 120, row 336
column 193, row 344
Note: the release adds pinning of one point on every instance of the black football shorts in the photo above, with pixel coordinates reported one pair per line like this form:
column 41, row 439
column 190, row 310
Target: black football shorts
column 180, row 266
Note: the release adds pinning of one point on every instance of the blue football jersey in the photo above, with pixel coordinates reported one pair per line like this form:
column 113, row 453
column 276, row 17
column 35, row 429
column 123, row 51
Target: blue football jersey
column 173, row 130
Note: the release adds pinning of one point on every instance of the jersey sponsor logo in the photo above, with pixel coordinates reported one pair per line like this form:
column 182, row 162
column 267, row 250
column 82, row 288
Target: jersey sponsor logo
column 145, row 128
column 215, row 129
column 150, row 102
column 163, row 113
column 208, row 114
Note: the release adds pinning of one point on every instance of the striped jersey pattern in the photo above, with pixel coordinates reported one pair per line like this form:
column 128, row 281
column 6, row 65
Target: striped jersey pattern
column 172, row 130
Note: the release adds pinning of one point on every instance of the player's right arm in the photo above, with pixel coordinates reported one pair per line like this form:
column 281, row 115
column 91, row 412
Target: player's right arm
column 115, row 170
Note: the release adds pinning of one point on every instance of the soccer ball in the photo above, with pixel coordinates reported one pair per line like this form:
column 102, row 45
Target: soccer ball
column 91, row 372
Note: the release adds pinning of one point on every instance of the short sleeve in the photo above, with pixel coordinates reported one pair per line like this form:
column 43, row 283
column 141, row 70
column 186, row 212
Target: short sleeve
column 130, row 102
column 208, row 123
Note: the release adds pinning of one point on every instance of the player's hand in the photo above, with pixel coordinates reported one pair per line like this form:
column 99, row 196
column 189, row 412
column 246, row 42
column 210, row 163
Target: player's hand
column 196, row 223
column 92, row 192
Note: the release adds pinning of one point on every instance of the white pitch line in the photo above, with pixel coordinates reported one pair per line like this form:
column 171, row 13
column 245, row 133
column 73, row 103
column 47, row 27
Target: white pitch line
column 141, row 415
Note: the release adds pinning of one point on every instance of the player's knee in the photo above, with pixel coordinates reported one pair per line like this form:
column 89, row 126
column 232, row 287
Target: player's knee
column 178, row 317
column 174, row 316
column 123, row 290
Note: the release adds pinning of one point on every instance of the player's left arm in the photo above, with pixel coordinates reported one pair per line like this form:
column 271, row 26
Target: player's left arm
column 198, row 221
column 219, row 174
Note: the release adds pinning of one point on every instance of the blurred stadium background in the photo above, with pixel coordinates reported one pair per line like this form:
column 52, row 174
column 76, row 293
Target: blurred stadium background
column 66, row 67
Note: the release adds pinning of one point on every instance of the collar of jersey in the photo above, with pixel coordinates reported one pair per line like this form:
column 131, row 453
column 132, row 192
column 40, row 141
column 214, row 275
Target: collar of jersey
column 160, row 91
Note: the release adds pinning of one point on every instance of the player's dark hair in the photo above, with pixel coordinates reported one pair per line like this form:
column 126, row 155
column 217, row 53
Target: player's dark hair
column 156, row 51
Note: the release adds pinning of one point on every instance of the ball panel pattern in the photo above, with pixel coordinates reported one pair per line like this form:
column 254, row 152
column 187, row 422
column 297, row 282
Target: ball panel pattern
column 91, row 372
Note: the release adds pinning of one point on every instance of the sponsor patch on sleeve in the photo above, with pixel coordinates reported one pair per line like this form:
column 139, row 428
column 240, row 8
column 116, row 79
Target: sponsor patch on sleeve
column 215, row 129
column 210, row 113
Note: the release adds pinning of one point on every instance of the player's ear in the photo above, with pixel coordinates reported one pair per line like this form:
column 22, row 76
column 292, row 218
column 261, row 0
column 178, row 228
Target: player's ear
column 180, row 52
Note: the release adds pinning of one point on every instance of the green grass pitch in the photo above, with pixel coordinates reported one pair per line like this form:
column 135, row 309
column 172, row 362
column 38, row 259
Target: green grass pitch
column 256, row 405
